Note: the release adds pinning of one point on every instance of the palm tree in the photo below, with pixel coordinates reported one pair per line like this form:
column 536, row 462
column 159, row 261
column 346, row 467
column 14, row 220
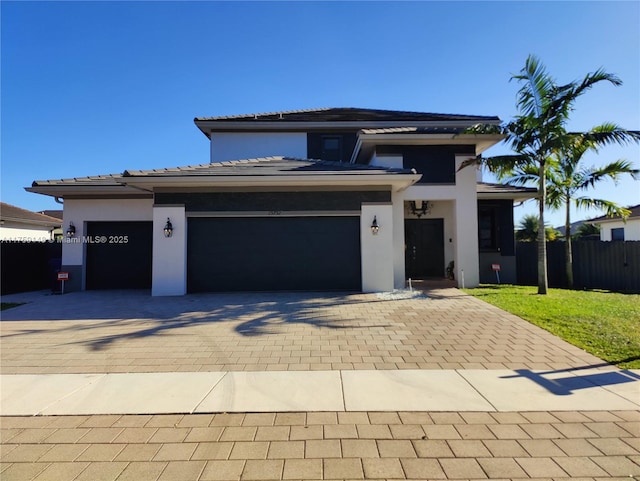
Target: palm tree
column 567, row 178
column 539, row 131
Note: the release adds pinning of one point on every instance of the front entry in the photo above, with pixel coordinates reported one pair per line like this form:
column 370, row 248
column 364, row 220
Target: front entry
column 424, row 248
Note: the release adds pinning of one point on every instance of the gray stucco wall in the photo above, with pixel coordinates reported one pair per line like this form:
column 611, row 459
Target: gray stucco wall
column 507, row 268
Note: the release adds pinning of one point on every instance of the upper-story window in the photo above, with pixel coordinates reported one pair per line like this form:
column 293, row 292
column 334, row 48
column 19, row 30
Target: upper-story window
column 331, row 147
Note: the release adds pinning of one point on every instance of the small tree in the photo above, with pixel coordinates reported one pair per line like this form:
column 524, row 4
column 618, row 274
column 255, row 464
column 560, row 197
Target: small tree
column 528, row 230
column 587, row 230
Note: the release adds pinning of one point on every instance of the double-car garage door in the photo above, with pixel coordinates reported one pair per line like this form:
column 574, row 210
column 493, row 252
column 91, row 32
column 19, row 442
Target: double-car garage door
column 273, row 253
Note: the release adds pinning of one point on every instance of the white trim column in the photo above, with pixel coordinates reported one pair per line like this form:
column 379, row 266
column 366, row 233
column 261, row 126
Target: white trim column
column 467, row 256
column 399, row 276
column 377, row 249
column 169, row 276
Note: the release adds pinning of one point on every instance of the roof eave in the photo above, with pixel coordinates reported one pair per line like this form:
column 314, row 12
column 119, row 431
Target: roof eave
column 397, row 181
column 611, row 219
column 520, row 196
column 208, row 126
column 481, row 141
column 85, row 190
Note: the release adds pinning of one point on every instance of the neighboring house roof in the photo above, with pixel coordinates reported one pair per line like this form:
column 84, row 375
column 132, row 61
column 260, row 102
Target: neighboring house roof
column 13, row 213
column 276, row 170
column 635, row 214
column 488, row 190
column 57, row 214
column 574, row 226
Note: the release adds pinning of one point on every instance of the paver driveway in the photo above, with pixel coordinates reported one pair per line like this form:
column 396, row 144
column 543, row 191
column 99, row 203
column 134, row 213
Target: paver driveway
column 130, row 331
column 108, row 332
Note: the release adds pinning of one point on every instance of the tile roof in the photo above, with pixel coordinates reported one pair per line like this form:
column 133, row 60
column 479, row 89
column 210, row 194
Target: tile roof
column 263, row 166
column 104, row 180
column 57, row 214
column 349, row 114
column 15, row 213
column 414, row 130
column 635, row 213
column 489, row 188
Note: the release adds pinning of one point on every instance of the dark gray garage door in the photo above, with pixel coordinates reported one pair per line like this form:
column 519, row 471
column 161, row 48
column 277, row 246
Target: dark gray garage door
column 119, row 255
column 273, row 253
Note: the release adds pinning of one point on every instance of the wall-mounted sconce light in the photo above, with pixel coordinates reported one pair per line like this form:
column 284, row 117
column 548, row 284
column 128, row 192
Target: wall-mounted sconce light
column 71, row 231
column 420, row 207
column 168, row 228
column 374, row 226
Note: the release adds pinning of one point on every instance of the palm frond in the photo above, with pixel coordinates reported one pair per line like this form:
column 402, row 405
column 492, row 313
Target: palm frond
column 608, row 134
column 484, row 129
column 613, row 170
column 534, row 95
column 611, row 209
column 503, row 165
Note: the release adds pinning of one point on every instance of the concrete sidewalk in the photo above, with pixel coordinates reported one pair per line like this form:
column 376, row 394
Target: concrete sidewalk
column 407, row 390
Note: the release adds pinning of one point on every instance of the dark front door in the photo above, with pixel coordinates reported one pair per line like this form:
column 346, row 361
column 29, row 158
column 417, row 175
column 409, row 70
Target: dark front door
column 424, row 251
column 273, row 254
column 119, row 255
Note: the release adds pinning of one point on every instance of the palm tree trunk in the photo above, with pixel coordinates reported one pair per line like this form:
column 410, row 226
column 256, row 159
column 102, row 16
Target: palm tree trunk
column 567, row 247
column 542, row 241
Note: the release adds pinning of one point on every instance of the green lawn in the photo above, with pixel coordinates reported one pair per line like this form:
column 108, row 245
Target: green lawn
column 606, row 324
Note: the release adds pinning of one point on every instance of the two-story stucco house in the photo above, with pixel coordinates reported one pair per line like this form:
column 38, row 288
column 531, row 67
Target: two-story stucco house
column 326, row 199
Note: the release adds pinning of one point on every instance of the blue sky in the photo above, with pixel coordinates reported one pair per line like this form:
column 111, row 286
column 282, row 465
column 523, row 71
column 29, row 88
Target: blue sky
column 100, row 87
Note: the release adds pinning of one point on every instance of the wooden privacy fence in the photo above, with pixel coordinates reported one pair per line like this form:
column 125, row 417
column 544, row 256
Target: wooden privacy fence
column 611, row 265
column 29, row 266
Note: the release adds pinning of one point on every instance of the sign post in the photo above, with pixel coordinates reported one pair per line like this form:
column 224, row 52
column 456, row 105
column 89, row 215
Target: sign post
column 63, row 276
column 496, row 269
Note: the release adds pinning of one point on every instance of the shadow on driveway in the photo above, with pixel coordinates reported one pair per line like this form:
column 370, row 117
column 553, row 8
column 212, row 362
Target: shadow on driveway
column 127, row 311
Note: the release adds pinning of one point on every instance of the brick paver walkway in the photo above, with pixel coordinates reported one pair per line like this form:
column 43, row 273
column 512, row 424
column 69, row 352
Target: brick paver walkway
column 110, row 332
column 327, row 445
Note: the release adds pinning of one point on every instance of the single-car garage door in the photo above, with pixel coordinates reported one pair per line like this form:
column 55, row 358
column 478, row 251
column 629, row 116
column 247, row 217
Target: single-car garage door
column 119, row 255
column 273, row 253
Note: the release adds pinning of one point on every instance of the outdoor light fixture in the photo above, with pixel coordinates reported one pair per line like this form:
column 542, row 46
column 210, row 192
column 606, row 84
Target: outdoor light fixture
column 420, row 207
column 374, row 226
column 168, row 228
column 71, row 231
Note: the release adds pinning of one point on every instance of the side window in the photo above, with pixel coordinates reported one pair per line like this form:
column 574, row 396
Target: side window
column 487, row 229
column 617, row 234
column 331, row 148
